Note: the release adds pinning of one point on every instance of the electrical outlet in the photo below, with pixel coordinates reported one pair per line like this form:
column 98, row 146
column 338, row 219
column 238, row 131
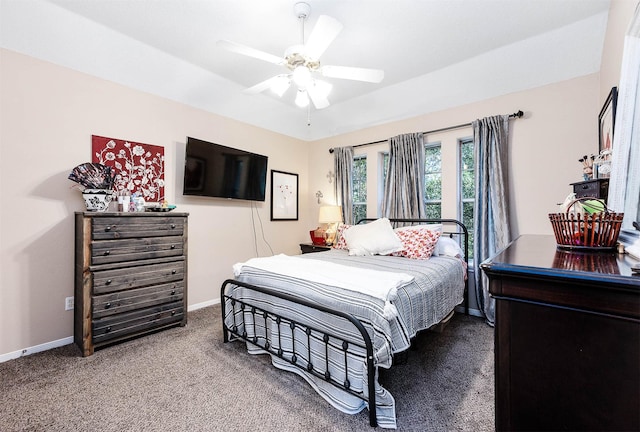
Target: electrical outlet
column 68, row 303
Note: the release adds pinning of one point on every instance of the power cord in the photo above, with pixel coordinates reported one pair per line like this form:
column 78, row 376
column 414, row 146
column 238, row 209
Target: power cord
column 255, row 241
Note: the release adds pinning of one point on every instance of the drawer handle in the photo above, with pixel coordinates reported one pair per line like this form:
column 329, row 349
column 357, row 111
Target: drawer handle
column 108, row 330
column 173, row 271
column 585, row 186
column 107, row 306
column 173, row 246
column 173, row 226
column 173, row 313
column 107, row 252
column 108, row 228
column 108, row 282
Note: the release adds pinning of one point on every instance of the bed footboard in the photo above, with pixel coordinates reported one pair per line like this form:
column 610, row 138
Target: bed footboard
column 303, row 336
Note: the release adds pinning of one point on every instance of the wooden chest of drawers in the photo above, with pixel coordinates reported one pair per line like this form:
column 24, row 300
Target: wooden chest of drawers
column 130, row 275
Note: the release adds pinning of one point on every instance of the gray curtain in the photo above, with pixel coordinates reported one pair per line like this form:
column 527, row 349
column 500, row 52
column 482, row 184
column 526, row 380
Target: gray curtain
column 491, row 219
column 624, row 185
column 404, row 187
column 343, row 167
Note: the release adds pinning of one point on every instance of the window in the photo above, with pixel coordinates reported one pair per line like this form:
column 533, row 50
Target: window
column 461, row 153
column 433, row 180
column 359, row 181
column 383, row 166
column 467, row 189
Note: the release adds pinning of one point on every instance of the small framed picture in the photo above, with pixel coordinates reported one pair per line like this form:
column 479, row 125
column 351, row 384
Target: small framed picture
column 607, row 121
column 284, row 196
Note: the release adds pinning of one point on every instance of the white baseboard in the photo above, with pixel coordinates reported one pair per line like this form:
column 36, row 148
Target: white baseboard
column 35, row 349
column 203, row 305
column 69, row 340
column 472, row 312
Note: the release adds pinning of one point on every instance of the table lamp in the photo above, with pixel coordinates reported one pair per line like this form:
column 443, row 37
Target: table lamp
column 332, row 216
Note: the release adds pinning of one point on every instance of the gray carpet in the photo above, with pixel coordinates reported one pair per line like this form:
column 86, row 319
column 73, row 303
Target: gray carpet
column 187, row 379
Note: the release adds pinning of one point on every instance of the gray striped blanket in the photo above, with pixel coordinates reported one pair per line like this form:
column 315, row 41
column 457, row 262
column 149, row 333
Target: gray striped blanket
column 437, row 287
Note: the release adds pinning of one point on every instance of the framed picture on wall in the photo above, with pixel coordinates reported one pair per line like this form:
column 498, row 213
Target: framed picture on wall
column 607, row 121
column 284, row 196
column 139, row 167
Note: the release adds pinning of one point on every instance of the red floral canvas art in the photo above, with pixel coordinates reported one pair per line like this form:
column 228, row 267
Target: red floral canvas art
column 139, row 167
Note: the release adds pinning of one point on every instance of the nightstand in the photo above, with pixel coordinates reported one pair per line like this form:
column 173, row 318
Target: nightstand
column 310, row 248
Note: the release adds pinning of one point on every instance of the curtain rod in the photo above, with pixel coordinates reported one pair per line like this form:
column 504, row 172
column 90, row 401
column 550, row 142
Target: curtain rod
column 518, row 114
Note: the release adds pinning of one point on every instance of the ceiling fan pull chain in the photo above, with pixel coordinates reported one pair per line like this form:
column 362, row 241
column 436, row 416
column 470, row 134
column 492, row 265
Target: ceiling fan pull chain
column 309, row 115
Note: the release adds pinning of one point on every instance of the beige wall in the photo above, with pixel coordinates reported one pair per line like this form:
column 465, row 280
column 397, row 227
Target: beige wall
column 49, row 113
column 560, row 125
column 48, row 116
column 620, row 13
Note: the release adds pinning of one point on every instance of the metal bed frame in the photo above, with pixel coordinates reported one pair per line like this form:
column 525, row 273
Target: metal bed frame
column 245, row 316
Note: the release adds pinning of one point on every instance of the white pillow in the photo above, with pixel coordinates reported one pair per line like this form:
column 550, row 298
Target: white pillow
column 374, row 238
column 448, row 247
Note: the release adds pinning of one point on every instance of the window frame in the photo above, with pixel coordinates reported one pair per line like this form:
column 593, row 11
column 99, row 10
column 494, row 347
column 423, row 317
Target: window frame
column 381, row 175
column 460, row 197
column 357, row 158
column 437, row 144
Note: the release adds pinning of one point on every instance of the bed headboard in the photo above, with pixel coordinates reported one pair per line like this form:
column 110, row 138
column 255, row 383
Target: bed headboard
column 451, row 227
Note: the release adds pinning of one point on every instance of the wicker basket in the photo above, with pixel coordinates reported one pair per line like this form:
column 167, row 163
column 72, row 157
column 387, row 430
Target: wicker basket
column 598, row 231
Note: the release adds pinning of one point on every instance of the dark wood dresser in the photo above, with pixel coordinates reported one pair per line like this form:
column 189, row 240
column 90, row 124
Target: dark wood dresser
column 567, row 338
column 130, row 275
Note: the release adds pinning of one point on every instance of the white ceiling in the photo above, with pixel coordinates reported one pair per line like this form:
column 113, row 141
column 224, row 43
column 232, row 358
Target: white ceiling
column 436, row 54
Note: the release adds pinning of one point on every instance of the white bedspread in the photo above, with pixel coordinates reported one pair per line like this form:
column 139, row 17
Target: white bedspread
column 381, row 285
column 434, row 288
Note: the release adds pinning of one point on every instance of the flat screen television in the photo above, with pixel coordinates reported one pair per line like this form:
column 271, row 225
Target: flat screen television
column 214, row 170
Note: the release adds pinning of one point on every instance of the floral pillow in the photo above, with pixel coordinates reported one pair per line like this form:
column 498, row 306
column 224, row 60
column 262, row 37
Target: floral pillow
column 418, row 243
column 432, row 226
column 340, row 242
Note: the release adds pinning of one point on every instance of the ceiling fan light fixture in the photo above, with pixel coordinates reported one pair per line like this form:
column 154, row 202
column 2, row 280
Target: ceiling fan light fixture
column 322, row 88
column 302, row 99
column 303, row 65
column 280, row 85
column 302, row 77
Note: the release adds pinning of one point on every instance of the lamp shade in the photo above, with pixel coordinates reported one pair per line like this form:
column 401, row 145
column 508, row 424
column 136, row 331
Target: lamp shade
column 330, row 214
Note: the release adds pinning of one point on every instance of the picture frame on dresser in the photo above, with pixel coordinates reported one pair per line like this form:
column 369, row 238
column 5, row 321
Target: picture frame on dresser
column 284, row 196
column 607, row 121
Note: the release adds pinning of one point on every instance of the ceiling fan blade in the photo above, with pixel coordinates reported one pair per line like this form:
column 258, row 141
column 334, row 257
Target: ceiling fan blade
column 319, row 100
column 353, row 73
column 264, row 85
column 324, row 32
column 248, row 51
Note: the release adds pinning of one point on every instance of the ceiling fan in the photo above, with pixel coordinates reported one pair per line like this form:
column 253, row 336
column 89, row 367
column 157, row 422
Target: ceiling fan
column 303, row 63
